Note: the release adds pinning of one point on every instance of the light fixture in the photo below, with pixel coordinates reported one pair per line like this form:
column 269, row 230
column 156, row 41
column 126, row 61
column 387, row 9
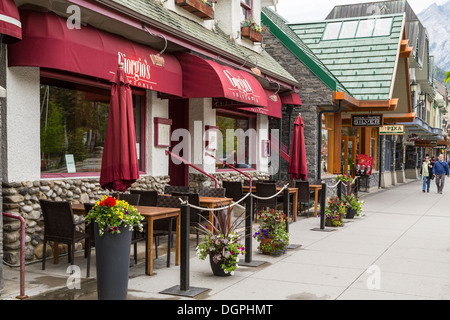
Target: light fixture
column 422, row 96
column 274, row 97
column 414, row 86
column 157, row 59
column 255, row 69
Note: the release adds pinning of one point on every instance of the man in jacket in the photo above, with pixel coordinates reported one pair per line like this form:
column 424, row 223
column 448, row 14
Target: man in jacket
column 440, row 169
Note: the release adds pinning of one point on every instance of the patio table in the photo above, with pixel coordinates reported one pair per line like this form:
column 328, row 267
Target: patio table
column 151, row 214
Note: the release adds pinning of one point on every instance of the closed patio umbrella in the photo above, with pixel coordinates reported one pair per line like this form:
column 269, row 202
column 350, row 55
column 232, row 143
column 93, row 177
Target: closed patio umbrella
column 120, row 166
column 297, row 157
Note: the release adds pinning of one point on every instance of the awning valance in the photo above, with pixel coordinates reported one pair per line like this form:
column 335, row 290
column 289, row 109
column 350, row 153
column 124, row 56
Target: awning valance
column 48, row 43
column 291, row 99
column 10, row 24
column 273, row 108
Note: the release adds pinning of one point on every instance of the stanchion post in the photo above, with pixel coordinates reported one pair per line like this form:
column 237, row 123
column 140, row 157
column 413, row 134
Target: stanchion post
column 339, row 190
column 248, row 262
column 248, row 229
column 184, row 247
column 322, row 204
column 184, row 289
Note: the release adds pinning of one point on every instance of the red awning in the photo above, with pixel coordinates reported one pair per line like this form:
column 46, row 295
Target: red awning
column 49, row 43
column 291, row 99
column 273, row 108
column 204, row 78
column 10, row 24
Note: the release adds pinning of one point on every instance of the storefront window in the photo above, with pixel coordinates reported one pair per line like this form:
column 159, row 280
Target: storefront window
column 73, row 127
column 238, row 141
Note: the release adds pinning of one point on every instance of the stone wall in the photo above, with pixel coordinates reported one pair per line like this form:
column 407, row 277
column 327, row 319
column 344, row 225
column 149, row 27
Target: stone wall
column 313, row 93
column 23, row 198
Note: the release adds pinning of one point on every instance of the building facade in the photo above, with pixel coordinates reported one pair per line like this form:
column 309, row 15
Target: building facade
column 197, row 70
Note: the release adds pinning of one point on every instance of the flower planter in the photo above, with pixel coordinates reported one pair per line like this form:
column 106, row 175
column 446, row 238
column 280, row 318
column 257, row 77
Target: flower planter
column 253, row 35
column 112, row 253
column 197, row 7
column 216, row 268
column 350, row 214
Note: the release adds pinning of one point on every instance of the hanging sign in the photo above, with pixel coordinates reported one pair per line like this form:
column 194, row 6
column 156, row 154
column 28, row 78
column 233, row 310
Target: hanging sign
column 425, row 144
column 392, row 130
column 367, row 120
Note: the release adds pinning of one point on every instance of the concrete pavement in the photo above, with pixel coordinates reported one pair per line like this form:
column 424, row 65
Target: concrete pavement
column 399, row 249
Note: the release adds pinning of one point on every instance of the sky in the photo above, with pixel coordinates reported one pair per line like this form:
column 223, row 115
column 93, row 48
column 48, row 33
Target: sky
column 316, row 10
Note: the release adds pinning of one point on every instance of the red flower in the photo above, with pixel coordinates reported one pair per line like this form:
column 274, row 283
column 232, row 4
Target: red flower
column 109, row 202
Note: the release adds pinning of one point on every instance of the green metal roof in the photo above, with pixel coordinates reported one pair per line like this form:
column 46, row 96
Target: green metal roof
column 150, row 9
column 365, row 66
column 280, row 29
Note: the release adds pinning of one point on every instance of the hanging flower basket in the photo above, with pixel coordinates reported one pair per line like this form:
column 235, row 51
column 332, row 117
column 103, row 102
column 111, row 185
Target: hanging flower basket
column 202, row 9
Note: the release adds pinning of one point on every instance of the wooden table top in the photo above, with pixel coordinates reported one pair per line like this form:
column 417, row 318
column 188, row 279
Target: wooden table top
column 143, row 210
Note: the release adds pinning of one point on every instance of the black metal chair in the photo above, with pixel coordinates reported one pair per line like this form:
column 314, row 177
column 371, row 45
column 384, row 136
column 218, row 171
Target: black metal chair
column 166, row 226
column 147, row 197
column 304, row 194
column 233, row 189
column 266, row 190
column 169, row 189
column 60, row 226
column 212, row 192
column 132, row 199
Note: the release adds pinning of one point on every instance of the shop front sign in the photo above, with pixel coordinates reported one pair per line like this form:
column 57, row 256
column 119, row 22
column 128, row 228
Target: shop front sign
column 367, row 120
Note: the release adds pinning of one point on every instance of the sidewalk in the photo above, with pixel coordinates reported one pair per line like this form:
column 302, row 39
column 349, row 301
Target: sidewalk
column 400, row 249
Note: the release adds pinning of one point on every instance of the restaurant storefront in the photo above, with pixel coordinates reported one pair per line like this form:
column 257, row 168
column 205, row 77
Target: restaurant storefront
column 57, row 79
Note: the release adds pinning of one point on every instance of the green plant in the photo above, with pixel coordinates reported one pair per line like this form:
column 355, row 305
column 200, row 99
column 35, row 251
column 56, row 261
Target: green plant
column 272, row 225
column 249, row 22
column 334, row 211
column 353, row 202
column 344, row 178
column 110, row 214
column 209, row 3
column 222, row 242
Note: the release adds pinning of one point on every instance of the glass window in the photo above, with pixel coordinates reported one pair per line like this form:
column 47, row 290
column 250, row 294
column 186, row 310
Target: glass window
column 246, row 9
column 365, row 28
column 383, row 27
column 238, row 141
column 332, row 31
column 73, row 126
column 348, row 29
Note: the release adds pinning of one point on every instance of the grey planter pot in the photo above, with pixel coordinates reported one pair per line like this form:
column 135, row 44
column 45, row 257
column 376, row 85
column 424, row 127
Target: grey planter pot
column 112, row 253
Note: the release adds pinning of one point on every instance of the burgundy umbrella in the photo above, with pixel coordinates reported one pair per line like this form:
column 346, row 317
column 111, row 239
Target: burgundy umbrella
column 119, row 163
column 297, row 158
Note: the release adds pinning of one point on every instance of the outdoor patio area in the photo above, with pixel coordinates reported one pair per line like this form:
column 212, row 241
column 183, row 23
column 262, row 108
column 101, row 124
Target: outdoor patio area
column 328, row 265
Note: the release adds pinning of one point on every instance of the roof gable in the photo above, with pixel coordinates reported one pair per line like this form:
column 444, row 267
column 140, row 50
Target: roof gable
column 366, row 66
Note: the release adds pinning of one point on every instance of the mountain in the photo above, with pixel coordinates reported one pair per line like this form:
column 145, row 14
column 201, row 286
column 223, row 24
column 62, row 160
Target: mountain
column 435, row 20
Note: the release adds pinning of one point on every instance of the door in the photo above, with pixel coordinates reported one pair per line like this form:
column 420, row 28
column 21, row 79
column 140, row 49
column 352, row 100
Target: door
column 179, row 113
column 349, row 150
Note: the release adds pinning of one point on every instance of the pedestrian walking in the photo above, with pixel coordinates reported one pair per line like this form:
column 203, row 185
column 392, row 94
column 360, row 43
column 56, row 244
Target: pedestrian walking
column 440, row 169
column 426, row 172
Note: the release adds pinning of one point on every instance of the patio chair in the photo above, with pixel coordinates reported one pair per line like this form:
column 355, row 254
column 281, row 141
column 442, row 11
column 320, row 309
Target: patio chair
column 148, row 197
column 304, row 195
column 212, row 192
column 166, row 226
column 169, row 189
column 266, row 190
column 60, row 226
column 132, row 199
